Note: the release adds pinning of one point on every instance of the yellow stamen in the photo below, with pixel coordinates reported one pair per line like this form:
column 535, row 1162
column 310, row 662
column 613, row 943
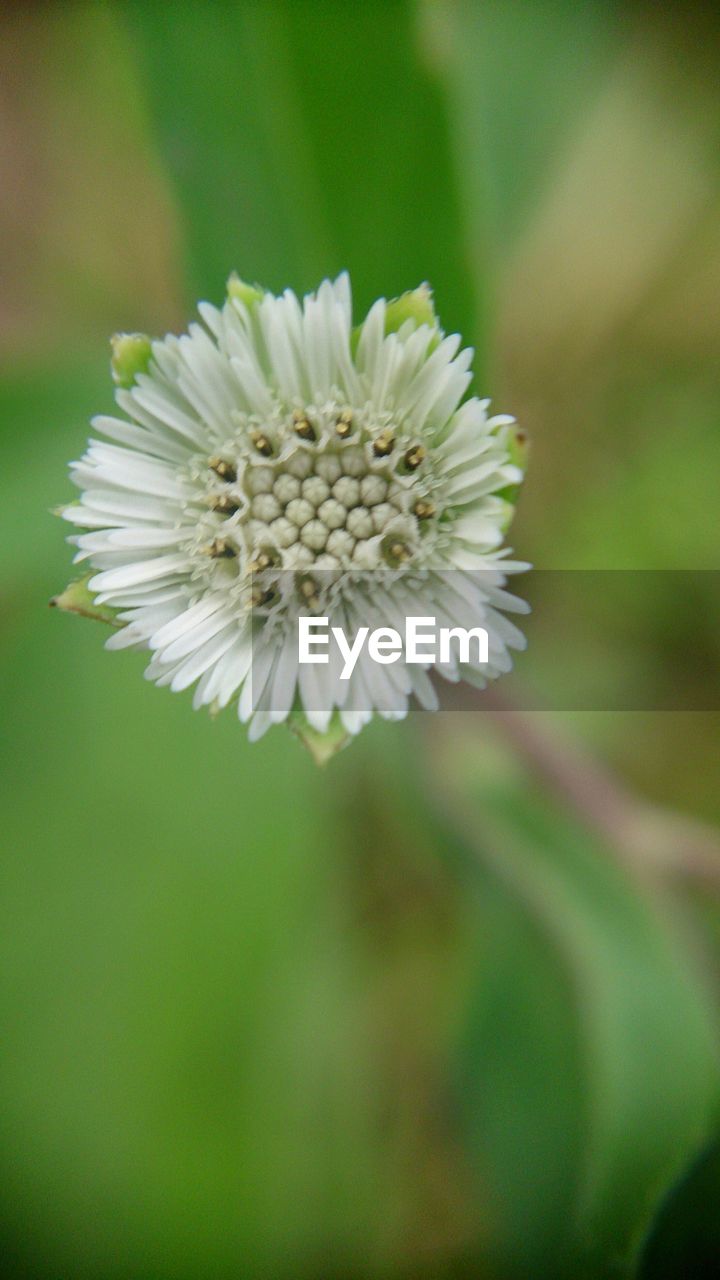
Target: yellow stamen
column 303, row 426
column 259, row 595
column 383, row 445
column 219, row 549
column 224, row 503
column 262, row 444
column 415, row 456
column 423, row 510
column 225, row 470
column 262, row 561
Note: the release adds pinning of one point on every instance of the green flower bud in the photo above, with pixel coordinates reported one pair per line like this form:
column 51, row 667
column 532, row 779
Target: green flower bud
column 518, row 446
column 508, row 511
column 249, row 294
column 131, row 354
column 416, row 304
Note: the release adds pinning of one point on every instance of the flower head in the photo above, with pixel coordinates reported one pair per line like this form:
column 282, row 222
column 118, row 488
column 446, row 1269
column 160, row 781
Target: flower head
column 275, row 460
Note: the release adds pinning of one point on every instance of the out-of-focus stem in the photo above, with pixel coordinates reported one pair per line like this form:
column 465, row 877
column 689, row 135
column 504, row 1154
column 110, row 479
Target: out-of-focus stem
column 648, row 838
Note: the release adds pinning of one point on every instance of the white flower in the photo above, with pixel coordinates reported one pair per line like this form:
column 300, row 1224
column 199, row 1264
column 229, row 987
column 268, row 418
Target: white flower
column 277, row 461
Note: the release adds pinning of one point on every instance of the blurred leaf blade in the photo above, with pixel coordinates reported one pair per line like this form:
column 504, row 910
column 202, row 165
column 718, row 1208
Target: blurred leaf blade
column 314, row 171
column 643, row 1040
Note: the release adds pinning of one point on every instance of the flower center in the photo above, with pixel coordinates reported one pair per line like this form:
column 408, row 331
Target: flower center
column 324, row 490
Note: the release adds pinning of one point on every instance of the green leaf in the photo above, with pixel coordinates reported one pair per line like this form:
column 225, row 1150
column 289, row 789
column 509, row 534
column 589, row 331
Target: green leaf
column 589, row 1072
column 501, row 69
column 288, row 165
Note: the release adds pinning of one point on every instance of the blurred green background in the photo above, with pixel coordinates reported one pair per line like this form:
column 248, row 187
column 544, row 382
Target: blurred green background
column 451, row 1007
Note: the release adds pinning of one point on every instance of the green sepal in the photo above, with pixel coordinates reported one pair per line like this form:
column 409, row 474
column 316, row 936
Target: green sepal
column 322, row 746
column 77, row 599
column 237, row 289
column 131, row 355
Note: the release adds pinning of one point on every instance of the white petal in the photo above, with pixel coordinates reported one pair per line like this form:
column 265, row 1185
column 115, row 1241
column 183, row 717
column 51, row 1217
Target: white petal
column 130, row 575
